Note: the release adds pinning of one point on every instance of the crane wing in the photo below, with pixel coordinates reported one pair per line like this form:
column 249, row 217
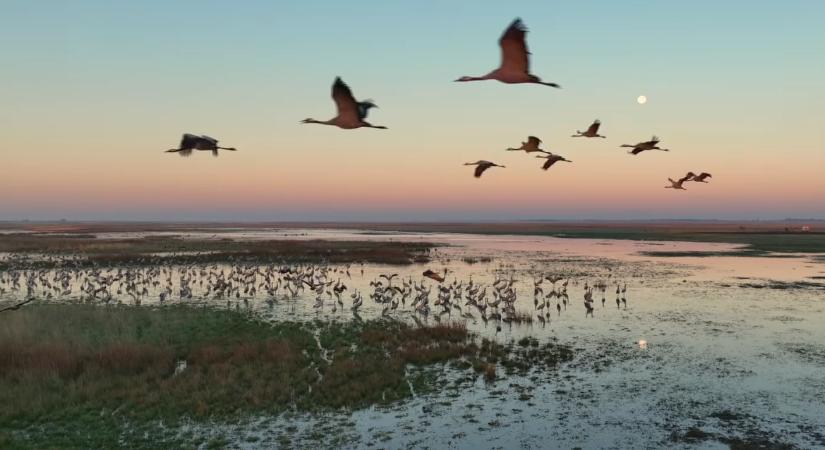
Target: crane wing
column 210, row 139
column 594, row 128
column 549, row 163
column 481, row 168
column 188, row 141
column 533, row 141
column 364, row 109
column 344, row 101
column 514, row 54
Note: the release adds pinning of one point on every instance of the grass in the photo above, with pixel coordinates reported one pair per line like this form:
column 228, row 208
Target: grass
column 80, row 376
column 473, row 260
column 752, row 439
column 756, row 243
column 701, row 253
column 171, row 249
column 783, row 285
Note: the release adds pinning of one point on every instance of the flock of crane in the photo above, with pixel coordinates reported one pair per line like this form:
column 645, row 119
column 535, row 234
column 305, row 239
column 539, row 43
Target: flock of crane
column 242, row 282
column 514, row 69
column 690, row 176
column 239, row 285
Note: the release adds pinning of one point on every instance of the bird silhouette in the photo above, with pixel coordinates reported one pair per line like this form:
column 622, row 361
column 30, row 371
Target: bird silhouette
column 515, row 59
column 677, row 184
column 591, row 132
column 652, row 144
column 190, row 142
column 531, row 146
column 388, row 277
column 702, row 177
column 351, row 113
column 435, row 275
column 551, row 159
column 481, row 166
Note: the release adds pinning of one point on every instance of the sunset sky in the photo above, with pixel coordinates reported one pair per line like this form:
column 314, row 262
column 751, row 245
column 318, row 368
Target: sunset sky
column 93, row 92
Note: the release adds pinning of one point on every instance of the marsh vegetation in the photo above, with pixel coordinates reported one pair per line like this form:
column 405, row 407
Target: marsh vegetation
column 78, row 250
column 127, row 370
column 194, row 340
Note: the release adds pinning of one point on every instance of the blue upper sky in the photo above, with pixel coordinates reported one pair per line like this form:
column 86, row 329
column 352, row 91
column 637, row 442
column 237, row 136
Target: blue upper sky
column 731, row 82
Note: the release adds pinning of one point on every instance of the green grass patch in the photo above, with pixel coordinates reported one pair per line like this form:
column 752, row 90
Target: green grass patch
column 81, row 376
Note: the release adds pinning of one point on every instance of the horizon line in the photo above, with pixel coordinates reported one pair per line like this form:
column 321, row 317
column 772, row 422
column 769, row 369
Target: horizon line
column 429, row 221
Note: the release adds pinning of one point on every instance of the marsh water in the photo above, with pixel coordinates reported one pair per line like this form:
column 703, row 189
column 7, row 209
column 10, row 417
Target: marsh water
column 706, row 352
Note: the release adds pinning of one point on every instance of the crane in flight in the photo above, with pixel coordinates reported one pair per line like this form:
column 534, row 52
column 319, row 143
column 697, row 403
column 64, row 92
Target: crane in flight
column 190, row 142
column 591, row 132
column 429, row 273
column 531, row 146
column 652, row 144
column 702, row 177
column 551, row 159
column 481, row 166
column 351, row 113
column 515, row 59
column 677, row 184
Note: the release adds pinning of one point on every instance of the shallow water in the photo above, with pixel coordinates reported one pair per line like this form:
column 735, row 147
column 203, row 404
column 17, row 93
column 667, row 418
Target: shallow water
column 733, row 345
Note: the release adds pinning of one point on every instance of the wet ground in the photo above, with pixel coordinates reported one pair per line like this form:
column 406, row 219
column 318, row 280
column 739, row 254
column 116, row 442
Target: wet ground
column 708, row 352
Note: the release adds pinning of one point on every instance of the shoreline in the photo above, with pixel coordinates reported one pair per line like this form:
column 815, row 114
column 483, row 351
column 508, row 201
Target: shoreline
column 758, row 238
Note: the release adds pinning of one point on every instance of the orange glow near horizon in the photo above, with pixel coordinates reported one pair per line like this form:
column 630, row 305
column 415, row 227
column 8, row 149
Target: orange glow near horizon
column 85, row 138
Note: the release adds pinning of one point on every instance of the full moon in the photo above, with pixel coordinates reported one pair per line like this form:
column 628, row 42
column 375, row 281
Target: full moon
column 641, row 100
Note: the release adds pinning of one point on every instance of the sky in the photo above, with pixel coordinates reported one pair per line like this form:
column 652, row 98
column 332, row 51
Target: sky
column 93, row 91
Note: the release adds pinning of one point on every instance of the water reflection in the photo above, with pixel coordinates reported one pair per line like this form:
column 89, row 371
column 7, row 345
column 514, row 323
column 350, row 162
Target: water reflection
column 708, row 268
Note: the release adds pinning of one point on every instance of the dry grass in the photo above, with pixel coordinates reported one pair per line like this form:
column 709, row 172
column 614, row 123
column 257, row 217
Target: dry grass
column 489, row 372
column 125, row 358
